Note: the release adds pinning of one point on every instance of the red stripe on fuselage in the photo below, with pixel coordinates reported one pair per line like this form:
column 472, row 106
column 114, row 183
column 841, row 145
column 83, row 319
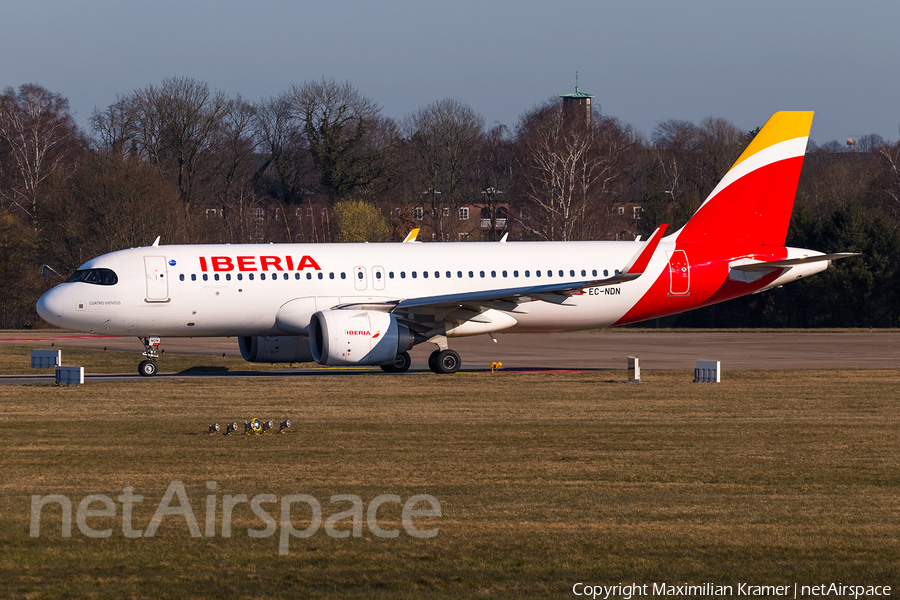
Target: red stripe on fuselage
column 709, row 282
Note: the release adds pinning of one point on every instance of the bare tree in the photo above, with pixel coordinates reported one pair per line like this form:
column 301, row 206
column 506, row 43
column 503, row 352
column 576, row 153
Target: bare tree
column 234, row 169
column 494, row 177
column 887, row 180
column 342, row 129
column 175, row 126
column 444, row 142
column 280, row 135
column 116, row 127
column 40, row 139
column 109, row 203
column 571, row 171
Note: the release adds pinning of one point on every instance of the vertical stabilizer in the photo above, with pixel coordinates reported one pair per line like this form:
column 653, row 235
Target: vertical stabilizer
column 754, row 200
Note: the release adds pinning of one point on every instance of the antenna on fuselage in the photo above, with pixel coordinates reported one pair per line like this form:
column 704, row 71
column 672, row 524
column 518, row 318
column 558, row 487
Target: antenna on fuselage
column 156, row 243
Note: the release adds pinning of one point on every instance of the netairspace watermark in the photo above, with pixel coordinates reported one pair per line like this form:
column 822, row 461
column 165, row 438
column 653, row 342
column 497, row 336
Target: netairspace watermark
column 355, row 513
column 628, row 591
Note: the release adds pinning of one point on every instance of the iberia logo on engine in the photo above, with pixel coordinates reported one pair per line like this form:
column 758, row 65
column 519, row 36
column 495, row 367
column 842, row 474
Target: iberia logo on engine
column 362, row 332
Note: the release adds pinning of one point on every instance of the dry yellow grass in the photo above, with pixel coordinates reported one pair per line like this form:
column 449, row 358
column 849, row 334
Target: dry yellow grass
column 544, row 480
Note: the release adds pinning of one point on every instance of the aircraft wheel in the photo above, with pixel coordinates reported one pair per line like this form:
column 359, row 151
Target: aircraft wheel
column 448, row 362
column 400, row 364
column 432, row 361
column 147, row 368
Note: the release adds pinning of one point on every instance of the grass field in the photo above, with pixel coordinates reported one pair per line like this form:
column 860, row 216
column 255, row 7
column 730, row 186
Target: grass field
column 771, row 477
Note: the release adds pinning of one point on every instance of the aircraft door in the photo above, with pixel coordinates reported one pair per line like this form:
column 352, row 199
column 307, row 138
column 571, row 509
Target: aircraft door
column 679, row 274
column 157, row 283
column 378, row 278
column 359, row 278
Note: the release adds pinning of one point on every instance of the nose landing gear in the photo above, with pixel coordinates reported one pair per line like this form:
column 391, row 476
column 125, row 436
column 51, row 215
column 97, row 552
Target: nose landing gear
column 148, row 368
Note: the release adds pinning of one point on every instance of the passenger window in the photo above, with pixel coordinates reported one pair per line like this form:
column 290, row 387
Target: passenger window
column 583, row 273
column 359, row 275
column 537, row 273
column 240, row 277
column 331, row 276
column 527, row 274
column 205, row 277
column 437, row 274
column 262, row 276
column 250, row 276
column 504, row 273
column 471, row 274
column 481, row 273
column 285, row 276
column 193, row 277
column 227, row 276
column 321, row 276
column 449, row 275
column 309, row 276
column 343, row 276
column 424, row 274
column 459, row 274
column 515, row 273
column 413, row 274
column 181, row 277
column 594, row 272
column 296, row 275
column 561, row 274
column 216, row 276
column 605, row 273
column 493, row 273
column 391, row 275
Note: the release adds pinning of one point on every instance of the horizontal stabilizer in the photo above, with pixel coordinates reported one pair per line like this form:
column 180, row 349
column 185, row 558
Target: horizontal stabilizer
column 791, row 262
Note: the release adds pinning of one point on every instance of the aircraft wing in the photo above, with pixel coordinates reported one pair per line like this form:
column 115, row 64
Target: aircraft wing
column 510, row 298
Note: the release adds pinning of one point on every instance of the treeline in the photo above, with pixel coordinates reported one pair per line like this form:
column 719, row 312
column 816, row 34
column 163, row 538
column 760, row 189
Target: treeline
column 321, row 163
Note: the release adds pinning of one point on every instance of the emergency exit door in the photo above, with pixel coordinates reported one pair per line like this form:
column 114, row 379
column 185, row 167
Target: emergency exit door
column 679, row 274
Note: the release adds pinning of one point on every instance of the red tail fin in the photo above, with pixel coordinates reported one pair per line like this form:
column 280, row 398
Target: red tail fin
column 754, row 200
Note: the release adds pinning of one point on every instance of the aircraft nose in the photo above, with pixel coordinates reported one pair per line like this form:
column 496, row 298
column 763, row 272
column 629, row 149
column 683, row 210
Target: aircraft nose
column 50, row 306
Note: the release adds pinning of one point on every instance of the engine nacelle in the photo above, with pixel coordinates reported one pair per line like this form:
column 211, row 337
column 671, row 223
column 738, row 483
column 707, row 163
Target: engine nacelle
column 275, row 349
column 353, row 337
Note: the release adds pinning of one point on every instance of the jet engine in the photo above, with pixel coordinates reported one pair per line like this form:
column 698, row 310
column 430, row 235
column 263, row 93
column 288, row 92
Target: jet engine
column 352, row 337
column 275, row 349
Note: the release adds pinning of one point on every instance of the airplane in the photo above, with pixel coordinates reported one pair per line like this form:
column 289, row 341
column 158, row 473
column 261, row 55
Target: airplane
column 368, row 304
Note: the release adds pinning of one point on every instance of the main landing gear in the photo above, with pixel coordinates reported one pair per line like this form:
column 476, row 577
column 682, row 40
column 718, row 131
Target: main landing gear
column 444, row 362
column 148, row 367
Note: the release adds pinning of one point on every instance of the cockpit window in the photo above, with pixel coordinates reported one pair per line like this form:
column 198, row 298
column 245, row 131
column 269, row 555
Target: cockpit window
column 95, row 276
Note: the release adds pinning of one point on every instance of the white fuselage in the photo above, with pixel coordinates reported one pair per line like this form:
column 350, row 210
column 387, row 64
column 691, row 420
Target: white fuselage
column 238, row 290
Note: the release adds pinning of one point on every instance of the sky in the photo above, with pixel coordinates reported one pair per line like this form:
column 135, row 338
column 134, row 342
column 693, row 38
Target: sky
column 644, row 61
